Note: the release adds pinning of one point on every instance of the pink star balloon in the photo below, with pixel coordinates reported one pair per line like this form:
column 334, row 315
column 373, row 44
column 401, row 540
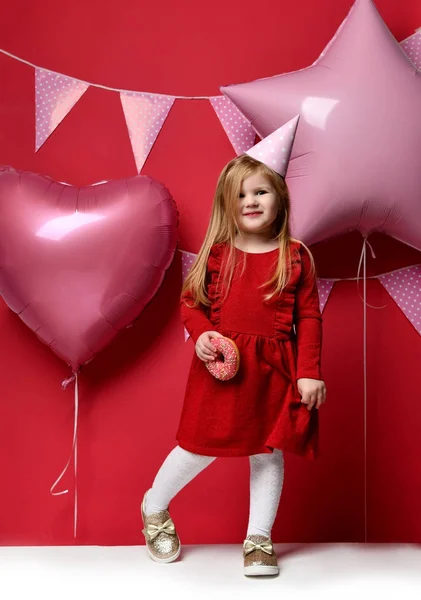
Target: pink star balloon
column 356, row 160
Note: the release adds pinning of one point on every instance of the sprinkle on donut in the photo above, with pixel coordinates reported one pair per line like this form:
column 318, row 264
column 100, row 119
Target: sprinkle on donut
column 226, row 367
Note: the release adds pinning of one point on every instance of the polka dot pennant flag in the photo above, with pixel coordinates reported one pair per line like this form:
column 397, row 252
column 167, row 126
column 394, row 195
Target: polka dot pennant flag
column 145, row 115
column 187, row 259
column 239, row 131
column 405, row 288
column 55, row 96
column 324, row 287
column 412, row 48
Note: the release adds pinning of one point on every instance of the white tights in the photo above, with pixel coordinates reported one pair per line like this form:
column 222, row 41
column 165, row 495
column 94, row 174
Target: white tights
column 266, row 479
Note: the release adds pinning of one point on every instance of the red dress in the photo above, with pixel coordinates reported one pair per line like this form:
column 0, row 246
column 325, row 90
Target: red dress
column 260, row 408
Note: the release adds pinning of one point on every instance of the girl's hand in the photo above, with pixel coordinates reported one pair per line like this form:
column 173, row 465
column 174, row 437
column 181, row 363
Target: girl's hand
column 312, row 391
column 205, row 350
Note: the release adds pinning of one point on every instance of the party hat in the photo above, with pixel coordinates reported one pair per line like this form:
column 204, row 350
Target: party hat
column 275, row 149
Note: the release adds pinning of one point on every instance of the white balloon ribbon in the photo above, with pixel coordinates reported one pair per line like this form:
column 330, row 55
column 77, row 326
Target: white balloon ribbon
column 73, row 452
column 363, row 262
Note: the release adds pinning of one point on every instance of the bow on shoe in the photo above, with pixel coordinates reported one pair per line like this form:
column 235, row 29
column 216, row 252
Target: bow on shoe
column 250, row 546
column 151, row 531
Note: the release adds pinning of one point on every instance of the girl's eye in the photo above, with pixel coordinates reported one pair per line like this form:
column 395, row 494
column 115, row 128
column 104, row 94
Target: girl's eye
column 259, row 192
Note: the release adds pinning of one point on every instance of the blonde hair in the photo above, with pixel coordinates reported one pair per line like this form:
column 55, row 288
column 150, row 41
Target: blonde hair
column 223, row 227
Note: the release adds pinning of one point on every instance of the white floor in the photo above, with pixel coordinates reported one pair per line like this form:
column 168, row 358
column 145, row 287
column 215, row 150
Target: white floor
column 337, row 571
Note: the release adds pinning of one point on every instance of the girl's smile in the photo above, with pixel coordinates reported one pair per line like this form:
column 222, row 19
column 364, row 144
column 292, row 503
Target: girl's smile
column 253, row 214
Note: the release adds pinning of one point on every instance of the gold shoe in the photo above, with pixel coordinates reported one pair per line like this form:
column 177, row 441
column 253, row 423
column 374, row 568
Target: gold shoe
column 259, row 556
column 162, row 541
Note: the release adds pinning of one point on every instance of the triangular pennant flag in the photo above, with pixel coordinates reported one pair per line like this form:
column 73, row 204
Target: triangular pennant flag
column 55, row 96
column 412, row 48
column 405, row 288
column 239, row 131
column 145, row 115
column 187, row 259
column 324, row 287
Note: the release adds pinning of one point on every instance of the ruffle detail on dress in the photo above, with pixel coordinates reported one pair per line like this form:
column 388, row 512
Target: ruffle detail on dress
column 215, row 261
column 214, row 287
column 286, row 299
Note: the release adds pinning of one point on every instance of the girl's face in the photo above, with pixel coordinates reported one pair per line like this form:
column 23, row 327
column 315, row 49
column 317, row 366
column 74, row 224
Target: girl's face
column 257, row 206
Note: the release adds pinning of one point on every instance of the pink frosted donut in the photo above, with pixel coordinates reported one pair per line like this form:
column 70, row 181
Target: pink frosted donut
column 226, row 367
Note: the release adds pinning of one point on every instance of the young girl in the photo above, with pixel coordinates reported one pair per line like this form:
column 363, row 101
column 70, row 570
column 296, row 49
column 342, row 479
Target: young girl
column 253, row 283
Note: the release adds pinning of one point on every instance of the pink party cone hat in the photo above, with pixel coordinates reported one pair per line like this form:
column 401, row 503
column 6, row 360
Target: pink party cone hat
column 275, row 149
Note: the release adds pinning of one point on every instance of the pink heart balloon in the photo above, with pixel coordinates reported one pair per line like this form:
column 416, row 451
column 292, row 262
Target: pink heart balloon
column 79, row 264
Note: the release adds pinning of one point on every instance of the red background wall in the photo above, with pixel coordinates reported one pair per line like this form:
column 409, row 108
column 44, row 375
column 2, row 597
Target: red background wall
column 131, row 395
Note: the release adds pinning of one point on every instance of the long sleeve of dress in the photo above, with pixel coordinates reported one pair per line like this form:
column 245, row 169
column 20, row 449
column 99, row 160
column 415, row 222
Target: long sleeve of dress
column 308, row 322
column 195, row 319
